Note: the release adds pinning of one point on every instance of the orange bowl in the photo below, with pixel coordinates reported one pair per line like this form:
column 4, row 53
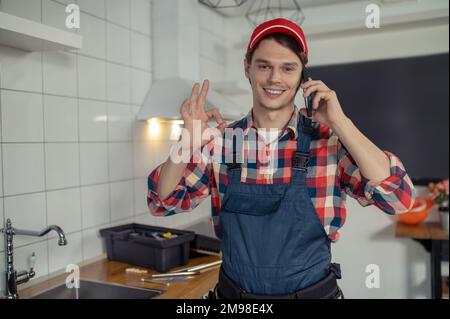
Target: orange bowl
column 418, row 213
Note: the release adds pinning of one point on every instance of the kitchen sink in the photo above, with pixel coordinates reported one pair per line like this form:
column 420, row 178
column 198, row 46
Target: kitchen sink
column 98, row 290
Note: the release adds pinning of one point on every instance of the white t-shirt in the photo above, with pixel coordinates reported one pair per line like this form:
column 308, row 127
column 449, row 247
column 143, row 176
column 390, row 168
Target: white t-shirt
column 269, row 135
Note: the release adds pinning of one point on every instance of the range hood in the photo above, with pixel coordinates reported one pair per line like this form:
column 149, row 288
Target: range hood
column 175, row 61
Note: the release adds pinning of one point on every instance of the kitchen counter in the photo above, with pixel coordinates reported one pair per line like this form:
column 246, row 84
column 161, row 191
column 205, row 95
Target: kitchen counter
column 434, row 238
column 114, row 272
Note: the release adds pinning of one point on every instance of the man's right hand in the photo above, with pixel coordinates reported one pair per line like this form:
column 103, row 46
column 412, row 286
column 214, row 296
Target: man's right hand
column 193, row 111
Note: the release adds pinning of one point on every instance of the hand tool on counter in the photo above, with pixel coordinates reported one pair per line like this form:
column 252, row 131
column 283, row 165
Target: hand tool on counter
column 173, row 274
column 173, row 278
column 195, row 270
column 166, row 281
column 200, row 267
column 163, row 283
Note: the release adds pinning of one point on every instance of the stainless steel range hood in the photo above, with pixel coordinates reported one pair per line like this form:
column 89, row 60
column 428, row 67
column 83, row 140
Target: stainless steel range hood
column 175, row 62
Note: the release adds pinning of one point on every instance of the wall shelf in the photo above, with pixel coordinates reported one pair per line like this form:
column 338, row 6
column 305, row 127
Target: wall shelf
column 28, row 35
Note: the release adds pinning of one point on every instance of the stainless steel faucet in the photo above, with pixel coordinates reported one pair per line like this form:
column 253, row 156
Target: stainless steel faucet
column 14, row 278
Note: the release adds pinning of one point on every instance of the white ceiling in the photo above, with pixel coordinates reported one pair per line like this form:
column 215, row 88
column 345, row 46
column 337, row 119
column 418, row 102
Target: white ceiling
column 243, row 9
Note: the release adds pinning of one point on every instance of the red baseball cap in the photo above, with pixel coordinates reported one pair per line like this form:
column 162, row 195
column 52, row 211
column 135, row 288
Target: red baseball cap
column 279, row 25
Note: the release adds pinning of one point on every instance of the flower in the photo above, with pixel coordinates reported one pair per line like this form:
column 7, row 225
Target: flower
column 439, row 192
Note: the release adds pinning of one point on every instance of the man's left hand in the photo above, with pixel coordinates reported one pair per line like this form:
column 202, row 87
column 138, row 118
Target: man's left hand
column 326, row 107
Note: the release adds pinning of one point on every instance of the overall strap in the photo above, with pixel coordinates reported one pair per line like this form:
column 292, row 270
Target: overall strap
column 300, row 160
column 234, row 168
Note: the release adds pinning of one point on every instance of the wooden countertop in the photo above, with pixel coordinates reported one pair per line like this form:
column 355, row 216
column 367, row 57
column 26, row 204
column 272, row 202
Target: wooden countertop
column 432, row 231
column 114, row 272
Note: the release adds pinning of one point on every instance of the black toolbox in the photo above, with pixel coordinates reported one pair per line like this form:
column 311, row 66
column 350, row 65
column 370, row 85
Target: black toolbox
column 205, row 241
column 204, row 245
column 141, row 245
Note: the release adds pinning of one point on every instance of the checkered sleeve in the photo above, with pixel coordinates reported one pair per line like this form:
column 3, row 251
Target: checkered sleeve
column 191, row 190
column 394, row 195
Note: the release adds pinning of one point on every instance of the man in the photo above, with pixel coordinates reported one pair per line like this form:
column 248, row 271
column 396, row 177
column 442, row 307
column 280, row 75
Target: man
column 277, row 218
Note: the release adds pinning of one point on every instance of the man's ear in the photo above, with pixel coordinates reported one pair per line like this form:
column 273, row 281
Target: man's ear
column 247, row 69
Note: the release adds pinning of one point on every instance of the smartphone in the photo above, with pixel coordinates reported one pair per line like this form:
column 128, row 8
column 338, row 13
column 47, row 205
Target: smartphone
column 309, row 100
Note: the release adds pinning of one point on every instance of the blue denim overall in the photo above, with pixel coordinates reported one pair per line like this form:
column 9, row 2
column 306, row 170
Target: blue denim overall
column 273, row 241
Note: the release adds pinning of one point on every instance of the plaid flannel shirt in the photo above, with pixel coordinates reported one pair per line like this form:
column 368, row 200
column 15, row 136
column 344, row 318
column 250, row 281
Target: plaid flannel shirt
column 332, row 175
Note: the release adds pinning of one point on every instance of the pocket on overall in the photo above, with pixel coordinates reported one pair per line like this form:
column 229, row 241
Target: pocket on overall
column 258, row 230
column 241, row 203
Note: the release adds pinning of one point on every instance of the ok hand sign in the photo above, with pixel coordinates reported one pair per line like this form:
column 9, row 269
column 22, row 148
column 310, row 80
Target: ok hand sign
column 193, row 111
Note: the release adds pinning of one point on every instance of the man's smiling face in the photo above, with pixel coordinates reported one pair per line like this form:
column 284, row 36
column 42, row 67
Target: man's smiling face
column 275, row 73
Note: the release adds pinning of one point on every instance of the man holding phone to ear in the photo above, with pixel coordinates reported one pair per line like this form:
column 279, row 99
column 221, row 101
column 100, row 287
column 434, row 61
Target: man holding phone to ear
column 277, row 219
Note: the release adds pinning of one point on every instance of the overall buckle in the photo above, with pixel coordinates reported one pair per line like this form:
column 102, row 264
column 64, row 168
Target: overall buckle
column 300, row 161
column 234, row 166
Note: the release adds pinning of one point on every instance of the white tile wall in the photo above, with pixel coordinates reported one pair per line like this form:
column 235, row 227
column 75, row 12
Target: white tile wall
column 62, row 165
column 212, row 70
column 140, row 191
column 212, row 46
column 118, row 11
column 118, row 83
column 66, row 2
column 144, row 159
column 141, row 81
column 95, row 205
column 140, row 16
column 91, row 78
column 93, row 121
column 22, row 117
column 60, row 119
column 176, row 221
column 93, row 31
column 94, row 163
column 21, row 70
column 94, row 7
column 28, row 9
column 64, row 209
column 118, row 44
column 71, row 151
column 121, row 200
column 60, row 75
column 120, row 122
column 147, row 219
column 120, row 161
column 23, row 168
column 93, row 244
column 213, row 22
column 141, row 53
column 140, row 129
column 54, row 15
